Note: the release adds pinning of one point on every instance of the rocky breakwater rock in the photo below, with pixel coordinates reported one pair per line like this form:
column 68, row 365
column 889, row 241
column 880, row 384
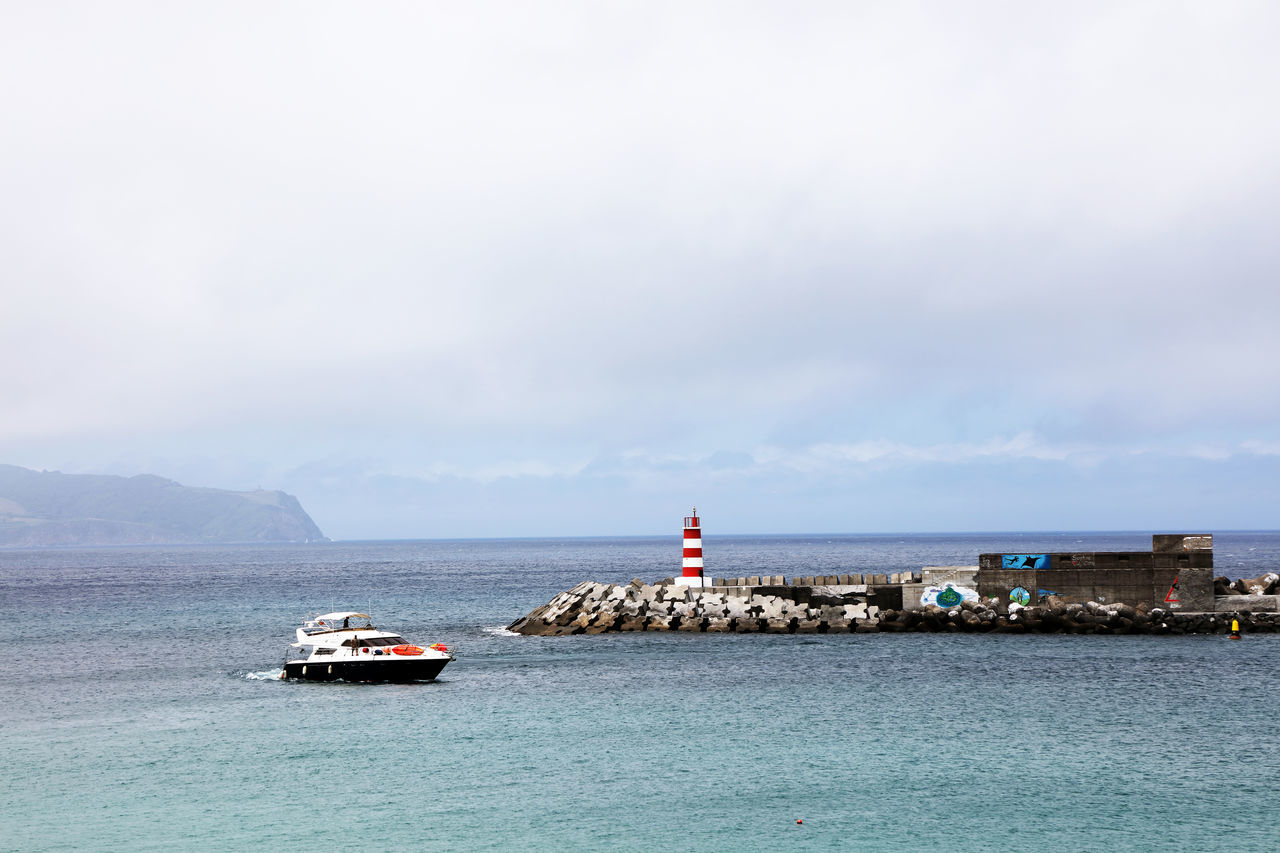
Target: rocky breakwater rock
column 594, row 608
column 1268, row 584
column 1056, row 617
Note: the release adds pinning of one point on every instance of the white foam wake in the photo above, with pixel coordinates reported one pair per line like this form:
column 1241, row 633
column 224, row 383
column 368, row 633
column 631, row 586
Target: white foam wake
column 500, row 631
column 265, row 675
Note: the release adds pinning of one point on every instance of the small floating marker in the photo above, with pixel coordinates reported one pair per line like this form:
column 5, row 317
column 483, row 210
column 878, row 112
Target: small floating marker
column 1235, row 630
column 799, row 820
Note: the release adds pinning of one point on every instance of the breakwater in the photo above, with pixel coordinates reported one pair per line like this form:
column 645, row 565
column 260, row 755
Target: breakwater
column 596, row 608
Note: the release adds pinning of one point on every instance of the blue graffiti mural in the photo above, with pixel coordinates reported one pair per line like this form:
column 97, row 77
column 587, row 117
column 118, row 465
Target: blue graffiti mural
column 949, row 597
column 1024, row 561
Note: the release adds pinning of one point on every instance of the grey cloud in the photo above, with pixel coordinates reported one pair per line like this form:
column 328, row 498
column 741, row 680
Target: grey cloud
column 547, row 235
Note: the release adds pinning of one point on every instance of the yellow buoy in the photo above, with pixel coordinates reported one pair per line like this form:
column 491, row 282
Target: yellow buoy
column 1235, row 630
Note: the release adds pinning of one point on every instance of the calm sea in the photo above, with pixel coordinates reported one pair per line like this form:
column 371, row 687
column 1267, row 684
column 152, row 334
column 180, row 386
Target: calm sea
column 140, row 711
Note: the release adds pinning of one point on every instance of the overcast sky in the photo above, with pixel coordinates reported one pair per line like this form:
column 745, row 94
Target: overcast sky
column 506, row 269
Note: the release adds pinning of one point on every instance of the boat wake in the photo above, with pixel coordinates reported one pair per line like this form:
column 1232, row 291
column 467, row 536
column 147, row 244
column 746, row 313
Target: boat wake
column 499, row 631
column 265, row 675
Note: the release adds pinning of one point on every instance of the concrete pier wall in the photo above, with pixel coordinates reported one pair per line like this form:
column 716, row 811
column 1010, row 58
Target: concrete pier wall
column 1177, row 574
column 816, row 580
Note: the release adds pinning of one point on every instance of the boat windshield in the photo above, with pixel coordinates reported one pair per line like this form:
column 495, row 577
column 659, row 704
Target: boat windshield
column 343, row 621
column 384, row 641
column 374, row 642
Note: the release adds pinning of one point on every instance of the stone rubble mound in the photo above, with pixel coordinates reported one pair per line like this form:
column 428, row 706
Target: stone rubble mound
column 1268, row 584
column 1054, row 616
column 596, row 608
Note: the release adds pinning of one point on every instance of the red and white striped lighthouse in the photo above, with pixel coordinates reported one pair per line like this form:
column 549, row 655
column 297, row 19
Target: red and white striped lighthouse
column 692, row 574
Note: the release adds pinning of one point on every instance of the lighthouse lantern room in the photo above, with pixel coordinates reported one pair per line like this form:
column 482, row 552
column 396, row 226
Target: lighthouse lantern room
column 692, row 573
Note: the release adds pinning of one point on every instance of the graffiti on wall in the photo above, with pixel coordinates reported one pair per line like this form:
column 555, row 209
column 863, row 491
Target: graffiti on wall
column 1020, row 595
column 1024, row 561
column 948, row 595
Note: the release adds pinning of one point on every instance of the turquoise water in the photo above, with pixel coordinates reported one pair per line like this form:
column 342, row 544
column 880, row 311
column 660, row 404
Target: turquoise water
column 140, row 712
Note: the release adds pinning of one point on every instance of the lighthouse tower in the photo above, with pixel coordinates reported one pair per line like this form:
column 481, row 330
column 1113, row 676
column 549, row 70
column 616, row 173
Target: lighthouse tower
column 692, row 574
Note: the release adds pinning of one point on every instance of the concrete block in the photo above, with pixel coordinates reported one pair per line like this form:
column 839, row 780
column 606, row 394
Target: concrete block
column 1116, row 561
column 911, row 593
column 887, row 596
column 1252, row 603
column 879, row 580
column 773, row 608
column 1194, row 559
column 1194, row 592
column 958, row 575
column 1171, row 543
column 754, row 580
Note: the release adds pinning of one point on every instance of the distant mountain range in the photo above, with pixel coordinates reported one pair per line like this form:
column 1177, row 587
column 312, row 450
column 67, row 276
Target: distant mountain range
column 52, row 509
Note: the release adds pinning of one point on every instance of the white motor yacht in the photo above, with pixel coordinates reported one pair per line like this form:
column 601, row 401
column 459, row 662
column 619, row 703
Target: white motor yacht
column 345, row 646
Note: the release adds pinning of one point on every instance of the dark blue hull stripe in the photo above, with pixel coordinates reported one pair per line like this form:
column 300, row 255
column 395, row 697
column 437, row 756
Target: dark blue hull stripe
column 365, row 670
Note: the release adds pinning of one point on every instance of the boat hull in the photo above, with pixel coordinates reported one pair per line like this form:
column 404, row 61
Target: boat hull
column 425, row 669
